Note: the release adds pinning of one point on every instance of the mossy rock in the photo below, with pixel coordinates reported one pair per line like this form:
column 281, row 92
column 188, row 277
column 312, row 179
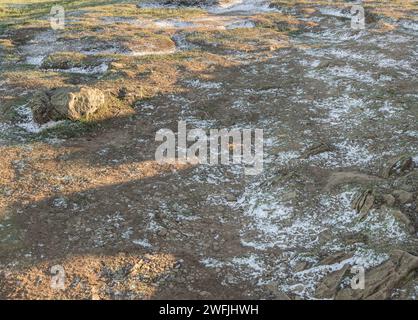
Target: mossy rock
column 75, row 104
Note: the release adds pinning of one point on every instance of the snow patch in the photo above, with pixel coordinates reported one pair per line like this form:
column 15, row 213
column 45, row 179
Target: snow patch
column 102, row 68
column 328, row 11
column 28, row 124
column 203, row 85
column 142, row 242
column 247, row 6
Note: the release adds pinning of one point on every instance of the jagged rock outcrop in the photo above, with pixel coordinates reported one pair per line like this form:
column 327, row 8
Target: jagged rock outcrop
column 398, row 166
column 379, row 281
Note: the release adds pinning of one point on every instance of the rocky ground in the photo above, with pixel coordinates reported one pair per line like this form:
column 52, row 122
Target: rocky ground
column 80, row 187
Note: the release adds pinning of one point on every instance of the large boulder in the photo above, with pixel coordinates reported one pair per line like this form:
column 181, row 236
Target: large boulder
column 75, row 103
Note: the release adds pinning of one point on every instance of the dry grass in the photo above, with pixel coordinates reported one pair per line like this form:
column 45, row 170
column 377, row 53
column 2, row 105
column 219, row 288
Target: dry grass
column 90, row 277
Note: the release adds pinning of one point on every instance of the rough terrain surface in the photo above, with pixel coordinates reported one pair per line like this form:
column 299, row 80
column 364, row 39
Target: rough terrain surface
column 339, row 187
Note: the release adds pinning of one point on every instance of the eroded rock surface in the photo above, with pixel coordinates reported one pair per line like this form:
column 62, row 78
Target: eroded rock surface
column 380, row 282
column 67, row 104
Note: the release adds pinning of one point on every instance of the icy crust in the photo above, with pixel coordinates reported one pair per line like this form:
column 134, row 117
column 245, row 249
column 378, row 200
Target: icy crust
column 102, row 68
column 229, row 6
column 305, row 281
column 272, row 223
column 246, row 6
column 26, row 122
column 279, row 224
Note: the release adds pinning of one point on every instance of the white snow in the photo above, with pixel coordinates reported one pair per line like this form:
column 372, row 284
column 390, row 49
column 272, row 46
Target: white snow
column 151, row 52
column 310, row 277
column 102, row 68
column 196, row 83
column 247, row 6
column 328, row 11
column 35, row 60
column 142, row 242
column 29, row 125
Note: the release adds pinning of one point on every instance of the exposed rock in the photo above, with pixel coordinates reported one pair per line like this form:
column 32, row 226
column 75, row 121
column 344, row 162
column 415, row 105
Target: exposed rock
column 231, row 198
column 379, row 281
column 329, row 285
column 289, row 196
column 204, row 294
column 298, row 288
column 342, row 178
column 403, row 196
column 66, row 103
column 389, row 199
column 398, row 166
column 335, row 258
column 408, row 182
column 162, row 232
column 330, row 63
column 324, row 64
column 216, row 247
column 403, row 218
column 301, row 266
column 363, row 202
column 371, row 17
column 281, row 296
column 316, row 149
column 40, row 106
column 353, row 238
